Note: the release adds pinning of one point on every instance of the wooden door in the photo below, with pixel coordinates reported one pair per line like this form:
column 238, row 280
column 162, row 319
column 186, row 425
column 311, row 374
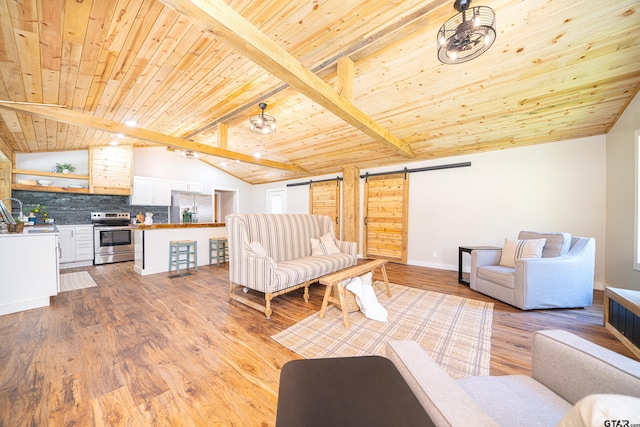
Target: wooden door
column 386, row 202
column 324, row 199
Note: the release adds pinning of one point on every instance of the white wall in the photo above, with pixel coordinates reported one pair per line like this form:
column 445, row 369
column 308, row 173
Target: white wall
column 548, row 187
column 157, row 162
column 619, row 270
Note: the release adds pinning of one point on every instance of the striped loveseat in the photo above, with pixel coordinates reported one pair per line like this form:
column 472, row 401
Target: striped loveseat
column 271, row 253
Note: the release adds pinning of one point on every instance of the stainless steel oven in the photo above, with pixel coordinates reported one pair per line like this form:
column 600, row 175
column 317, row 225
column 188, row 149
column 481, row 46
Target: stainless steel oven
column 113, row 238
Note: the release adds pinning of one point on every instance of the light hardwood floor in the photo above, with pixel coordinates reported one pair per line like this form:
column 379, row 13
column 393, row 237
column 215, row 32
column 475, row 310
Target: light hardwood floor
column 159, row 351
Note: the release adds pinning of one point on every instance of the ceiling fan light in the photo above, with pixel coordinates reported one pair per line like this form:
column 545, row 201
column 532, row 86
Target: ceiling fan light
column 189, row 154
column 466, row 35
column 262, row 123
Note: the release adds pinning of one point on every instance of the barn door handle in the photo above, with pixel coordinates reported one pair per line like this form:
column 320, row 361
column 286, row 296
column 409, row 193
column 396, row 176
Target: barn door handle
column 365, row 221
column 337, row 220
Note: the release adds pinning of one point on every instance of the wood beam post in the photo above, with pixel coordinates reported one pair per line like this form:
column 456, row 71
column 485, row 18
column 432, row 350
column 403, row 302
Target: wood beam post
column 223, row 135
column 351, row 204
column 5, row 180
column 346, row 73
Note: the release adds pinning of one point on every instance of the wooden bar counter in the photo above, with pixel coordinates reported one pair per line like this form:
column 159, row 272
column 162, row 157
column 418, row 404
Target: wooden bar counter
column 152, row 243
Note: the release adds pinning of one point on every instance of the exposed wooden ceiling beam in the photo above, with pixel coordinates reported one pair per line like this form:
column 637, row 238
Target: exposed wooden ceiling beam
column 217, row 17
column 82, row 119
column 367, row 46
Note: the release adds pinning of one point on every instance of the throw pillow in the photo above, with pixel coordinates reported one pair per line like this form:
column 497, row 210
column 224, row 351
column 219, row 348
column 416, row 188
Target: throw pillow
column 557, row 244
column 328, row 242
column 520, row 249
column 324, row 246
column 595, row 410
column 258, row 249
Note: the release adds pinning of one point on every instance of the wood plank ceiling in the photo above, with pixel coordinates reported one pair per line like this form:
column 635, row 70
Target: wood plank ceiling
column 558, row 70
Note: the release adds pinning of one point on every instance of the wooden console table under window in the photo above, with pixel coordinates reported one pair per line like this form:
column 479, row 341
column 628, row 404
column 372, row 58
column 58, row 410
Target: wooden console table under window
column 468, row 249
column 622, row 316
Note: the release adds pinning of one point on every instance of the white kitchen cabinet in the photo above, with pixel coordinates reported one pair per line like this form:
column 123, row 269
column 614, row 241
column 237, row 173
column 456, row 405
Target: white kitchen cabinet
column 30, row 274
column 76, row 245
column 84, row 243
column 187, row 187
column 151, row 191
column 67, row 243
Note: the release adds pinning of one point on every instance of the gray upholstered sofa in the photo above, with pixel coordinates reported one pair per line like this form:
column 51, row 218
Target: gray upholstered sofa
column 565, row 368
column 272, row 254
column 561, row 278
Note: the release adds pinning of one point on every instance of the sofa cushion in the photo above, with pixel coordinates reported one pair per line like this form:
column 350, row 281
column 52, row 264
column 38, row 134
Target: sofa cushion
column 516, row 400
column 520, row 249
column 595, row 410
column 258, row 249
column 326, row 245
column 296, row 271
column 503, row 276
column 557, row 244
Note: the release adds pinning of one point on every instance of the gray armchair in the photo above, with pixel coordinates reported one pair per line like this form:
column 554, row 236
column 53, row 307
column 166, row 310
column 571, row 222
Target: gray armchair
column 561, row 278
column 564, row 369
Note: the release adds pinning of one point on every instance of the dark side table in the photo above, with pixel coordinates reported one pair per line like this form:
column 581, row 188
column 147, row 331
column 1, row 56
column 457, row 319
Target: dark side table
column 346, row 391
column 468, row 249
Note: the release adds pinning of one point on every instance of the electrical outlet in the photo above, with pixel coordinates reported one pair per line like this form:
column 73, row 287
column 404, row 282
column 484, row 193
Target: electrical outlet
column 435, row 254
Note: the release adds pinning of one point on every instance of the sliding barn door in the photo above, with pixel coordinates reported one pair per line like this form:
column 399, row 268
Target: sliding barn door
column 386, row 201
column 324, row 199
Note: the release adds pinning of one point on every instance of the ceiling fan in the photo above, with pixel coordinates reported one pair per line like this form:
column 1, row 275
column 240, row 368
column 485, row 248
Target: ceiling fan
column 466, row 35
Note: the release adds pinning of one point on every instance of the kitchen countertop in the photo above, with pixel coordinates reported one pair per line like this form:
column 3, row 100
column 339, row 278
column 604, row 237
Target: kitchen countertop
column 181, row 225
column 34, row 230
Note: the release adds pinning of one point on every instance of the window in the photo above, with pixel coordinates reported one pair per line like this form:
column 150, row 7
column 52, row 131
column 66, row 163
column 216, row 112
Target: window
column 636, row 257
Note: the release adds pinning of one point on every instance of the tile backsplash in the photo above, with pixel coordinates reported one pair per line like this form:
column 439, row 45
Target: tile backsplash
column 73, row 208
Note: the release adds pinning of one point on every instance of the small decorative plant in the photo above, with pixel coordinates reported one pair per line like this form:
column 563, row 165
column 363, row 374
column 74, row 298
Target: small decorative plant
column 40, row 209
column 64, row 168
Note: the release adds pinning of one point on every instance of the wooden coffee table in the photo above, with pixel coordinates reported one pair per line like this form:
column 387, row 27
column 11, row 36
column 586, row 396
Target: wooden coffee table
column 346, row 391
column 337, row 278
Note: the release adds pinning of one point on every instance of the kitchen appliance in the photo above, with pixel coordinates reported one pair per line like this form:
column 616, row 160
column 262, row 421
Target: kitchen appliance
column 112, row 237
column 198, row 207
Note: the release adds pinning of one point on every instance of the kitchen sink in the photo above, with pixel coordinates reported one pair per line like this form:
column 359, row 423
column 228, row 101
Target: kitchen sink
column 43, row 230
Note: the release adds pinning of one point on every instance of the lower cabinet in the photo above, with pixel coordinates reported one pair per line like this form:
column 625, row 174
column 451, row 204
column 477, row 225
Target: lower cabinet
column 76, row 245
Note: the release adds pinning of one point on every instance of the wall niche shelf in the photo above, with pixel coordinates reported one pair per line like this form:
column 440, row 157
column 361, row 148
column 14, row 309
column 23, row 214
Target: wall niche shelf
column 49, row 188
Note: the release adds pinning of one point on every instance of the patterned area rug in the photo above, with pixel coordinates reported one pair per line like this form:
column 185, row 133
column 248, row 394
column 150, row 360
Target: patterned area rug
column 454, row 331
column 77, row 280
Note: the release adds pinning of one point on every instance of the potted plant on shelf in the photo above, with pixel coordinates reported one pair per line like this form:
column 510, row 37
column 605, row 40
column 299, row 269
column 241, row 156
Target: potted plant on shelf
column 64, row 168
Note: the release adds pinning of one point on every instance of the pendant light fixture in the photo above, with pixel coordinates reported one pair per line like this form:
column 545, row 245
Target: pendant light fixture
column 262, row 123
column 466, row 35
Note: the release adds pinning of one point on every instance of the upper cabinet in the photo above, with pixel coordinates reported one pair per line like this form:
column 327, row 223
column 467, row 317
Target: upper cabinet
column 151, row 191
column 187, row 187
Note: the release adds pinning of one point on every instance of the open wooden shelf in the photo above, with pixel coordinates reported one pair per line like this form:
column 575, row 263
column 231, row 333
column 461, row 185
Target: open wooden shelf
column 50, row 174
column 49, row 188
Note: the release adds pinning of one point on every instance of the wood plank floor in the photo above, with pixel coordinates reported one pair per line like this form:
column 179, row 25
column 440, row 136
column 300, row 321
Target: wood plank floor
column 160, row 351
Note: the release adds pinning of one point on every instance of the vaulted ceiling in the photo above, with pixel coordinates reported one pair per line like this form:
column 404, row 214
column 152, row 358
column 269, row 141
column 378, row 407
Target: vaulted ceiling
column 349, row 82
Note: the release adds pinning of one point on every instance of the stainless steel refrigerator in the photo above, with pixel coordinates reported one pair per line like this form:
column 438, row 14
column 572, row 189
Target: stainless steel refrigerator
column 199, row 206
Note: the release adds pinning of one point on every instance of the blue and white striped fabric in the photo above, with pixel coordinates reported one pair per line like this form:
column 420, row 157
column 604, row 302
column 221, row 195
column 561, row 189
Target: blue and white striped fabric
column 286, row 240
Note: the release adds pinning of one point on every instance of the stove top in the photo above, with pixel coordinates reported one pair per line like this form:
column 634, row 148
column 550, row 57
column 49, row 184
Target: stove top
column 110, row 218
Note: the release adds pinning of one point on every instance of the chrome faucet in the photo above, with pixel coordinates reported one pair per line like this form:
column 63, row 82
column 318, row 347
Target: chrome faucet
column 19, row 203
